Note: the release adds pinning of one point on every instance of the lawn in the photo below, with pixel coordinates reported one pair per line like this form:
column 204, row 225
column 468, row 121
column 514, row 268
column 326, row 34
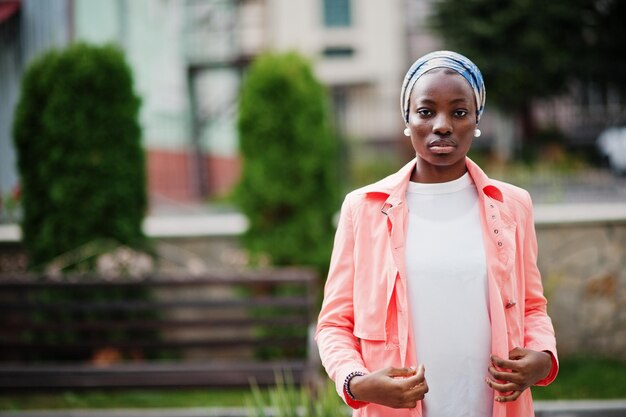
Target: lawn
column 578, row 379
column 97, row 399
column 582, row 379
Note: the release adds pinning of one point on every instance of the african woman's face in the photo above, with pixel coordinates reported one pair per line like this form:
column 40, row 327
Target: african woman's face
column 442, row 119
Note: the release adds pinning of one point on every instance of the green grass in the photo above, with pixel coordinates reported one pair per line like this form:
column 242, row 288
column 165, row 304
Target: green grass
column 586, row 378
column 100, row 399
column 579, row 378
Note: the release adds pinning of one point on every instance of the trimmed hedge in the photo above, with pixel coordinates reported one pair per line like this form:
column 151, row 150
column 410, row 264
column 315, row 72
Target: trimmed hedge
column 79, row 152
column 289, row 183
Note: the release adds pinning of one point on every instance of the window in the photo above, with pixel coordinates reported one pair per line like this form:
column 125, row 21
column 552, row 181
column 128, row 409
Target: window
column 337, row 13
column 338, row 51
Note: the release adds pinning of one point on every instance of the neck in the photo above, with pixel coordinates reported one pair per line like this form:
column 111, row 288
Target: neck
column 426, row 173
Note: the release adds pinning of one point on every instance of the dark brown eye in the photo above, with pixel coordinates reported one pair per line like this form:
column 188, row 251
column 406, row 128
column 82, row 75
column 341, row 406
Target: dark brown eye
column 460, row 113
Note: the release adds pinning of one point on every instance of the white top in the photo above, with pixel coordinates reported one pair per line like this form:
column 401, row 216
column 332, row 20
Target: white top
column 448, row 297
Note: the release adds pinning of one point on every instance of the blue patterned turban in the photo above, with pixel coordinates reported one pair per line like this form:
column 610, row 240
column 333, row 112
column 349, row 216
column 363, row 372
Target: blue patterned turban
column 443, row 59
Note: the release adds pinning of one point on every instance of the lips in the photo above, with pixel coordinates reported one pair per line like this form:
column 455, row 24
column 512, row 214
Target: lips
column 442, row 146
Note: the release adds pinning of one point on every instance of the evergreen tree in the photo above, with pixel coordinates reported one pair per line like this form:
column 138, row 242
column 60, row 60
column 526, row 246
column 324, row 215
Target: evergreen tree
column 288, row 188
column 528, row 49
column 79, row 154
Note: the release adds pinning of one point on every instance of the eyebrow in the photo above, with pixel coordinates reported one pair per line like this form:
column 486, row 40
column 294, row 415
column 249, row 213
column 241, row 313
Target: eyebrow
column 432, row 102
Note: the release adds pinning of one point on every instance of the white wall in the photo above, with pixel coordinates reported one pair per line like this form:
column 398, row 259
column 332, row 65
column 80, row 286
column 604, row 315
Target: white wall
column 150, row 32
column 153, row 35
column 372, row 75
column 38, row 26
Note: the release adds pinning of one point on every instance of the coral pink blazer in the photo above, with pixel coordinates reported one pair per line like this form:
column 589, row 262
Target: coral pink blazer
column 364, row 323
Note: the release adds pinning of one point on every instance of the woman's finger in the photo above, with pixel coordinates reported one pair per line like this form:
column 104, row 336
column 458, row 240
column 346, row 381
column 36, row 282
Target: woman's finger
column 400, row 372
column 508, row 398
column 504, row 363
column 508, row 387
column 416, row 379
column 506, row 376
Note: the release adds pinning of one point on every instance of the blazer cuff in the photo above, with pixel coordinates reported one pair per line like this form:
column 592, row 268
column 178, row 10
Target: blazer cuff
column 553, row 371
column 339, row 381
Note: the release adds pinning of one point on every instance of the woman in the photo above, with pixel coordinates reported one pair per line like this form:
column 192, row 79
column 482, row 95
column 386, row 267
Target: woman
column 433, row 304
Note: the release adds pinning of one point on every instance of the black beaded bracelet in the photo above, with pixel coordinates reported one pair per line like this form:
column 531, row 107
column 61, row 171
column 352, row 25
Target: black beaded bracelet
column 346, row 383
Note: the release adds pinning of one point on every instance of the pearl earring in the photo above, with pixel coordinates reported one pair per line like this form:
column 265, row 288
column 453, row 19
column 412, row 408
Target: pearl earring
column 477, row 133
column 407, row 132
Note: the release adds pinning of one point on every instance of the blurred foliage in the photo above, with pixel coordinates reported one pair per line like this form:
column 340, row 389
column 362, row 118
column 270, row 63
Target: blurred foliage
column 79, row 154
column 534, row 49
column 548, row 156
column 546, row 170
column 11, row 205
column 530, row 49
column 370, row 165
column 123, row 398
column 289, row 187
column 82, row 337
column 285, row 399
column 586, row 377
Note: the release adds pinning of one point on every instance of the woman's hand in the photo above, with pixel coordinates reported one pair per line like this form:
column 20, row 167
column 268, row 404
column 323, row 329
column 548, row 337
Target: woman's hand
column 524, row 368
column 392, row 387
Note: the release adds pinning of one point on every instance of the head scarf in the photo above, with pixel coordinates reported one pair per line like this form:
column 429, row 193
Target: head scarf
column 443, row 59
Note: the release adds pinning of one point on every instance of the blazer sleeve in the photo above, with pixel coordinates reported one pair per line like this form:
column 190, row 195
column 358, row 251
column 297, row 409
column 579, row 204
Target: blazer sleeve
column 339, row 348
column 538, row 330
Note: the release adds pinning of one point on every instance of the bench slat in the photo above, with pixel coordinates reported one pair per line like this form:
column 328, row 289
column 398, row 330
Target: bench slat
column 235, row 320
column 226, row 278
column 251, row 341
column 17, row 326
column 143, row 305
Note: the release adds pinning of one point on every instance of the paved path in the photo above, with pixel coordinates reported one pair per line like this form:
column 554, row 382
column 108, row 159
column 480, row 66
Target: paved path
column 587, row 408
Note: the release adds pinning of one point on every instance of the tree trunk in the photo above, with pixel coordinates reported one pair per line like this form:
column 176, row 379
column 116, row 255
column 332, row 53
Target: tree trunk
column 527, row 124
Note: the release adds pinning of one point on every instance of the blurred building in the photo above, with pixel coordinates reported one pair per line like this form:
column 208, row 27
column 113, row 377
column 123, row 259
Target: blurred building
column 189, row 56
column 26, row 29
column 188, row 59
column 358, row 50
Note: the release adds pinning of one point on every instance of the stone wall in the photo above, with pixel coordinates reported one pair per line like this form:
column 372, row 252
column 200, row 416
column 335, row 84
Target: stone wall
column 583, row 266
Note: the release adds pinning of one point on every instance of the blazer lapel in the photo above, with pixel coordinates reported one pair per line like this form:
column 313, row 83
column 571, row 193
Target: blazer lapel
column 396, row 226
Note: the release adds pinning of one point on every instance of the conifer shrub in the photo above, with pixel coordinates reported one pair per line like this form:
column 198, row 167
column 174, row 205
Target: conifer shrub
column 82, row 174
column 79, row 152
column 288, row 189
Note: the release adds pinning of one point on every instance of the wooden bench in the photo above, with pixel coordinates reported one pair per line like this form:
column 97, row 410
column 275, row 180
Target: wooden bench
column 216, row 330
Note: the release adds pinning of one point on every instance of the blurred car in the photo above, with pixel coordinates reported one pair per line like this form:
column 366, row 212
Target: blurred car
column 612, row 146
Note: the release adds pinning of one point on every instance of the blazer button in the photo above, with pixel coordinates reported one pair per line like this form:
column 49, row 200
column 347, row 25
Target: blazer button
column 499, row 243
column 495, row 231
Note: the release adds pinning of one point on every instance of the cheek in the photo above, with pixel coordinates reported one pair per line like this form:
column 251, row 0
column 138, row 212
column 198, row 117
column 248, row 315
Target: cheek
column 418, row 126
column 467, row 132
column 414, row 120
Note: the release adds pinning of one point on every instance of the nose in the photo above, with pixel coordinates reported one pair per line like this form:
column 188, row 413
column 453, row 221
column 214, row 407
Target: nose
column 442, row 125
